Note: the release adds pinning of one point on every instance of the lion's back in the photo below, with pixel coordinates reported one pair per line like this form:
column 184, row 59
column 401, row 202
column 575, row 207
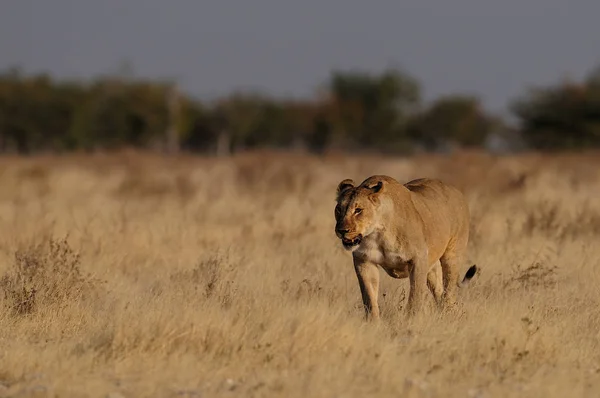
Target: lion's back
column 436, row 191
column 440, row 204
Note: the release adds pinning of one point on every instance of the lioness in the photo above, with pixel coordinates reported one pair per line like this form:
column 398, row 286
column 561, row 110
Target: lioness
column 417, row 230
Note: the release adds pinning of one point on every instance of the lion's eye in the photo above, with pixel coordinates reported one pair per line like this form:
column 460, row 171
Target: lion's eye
column 357, row 211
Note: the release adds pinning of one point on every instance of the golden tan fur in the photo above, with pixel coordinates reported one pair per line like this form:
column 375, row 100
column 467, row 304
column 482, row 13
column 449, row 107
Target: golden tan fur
column 418, row 230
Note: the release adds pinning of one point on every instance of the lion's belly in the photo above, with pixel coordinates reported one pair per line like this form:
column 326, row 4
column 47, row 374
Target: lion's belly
column 396, row 271
column 393, row 263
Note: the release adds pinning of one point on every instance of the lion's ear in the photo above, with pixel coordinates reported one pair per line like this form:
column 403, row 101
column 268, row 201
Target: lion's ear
column 376, row 187
column 344, row 186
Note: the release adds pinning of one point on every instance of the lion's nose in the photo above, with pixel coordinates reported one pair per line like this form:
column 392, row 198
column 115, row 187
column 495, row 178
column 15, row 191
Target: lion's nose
column 343, row 231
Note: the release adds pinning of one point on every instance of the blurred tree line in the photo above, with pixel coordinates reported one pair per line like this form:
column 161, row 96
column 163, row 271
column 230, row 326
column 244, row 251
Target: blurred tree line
column 562, row 116
column 353, row 110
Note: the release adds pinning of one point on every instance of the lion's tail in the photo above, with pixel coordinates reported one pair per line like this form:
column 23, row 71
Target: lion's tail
column 471, row 272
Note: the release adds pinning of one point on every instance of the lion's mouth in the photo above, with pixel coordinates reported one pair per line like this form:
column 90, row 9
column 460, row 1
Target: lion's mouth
column 349, row 243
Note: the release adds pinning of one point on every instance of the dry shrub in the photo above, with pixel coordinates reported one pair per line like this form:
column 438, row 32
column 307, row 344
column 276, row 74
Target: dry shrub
column 27, row 180
column 538, row 274
column 551, row 219
column 524, row 277
column 33, row 172
column 139, row 185
column 211, row 279
column 311, row 291
column 46, row 275
column 273, row 174
column 544, row 218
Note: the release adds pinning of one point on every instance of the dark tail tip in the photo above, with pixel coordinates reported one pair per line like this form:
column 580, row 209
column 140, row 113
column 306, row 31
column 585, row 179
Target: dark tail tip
column 470, row 273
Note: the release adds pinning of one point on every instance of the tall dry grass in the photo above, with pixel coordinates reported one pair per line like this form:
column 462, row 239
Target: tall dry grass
column 137, row 276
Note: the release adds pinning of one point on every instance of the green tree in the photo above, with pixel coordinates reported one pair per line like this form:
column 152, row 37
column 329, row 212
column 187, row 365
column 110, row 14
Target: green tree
column 239, row 118
column 35, row 112
column 452, row 120
column 561, row 116
column 370, row 109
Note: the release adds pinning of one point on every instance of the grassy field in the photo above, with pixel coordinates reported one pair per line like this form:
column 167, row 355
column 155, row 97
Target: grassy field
column 134, row 276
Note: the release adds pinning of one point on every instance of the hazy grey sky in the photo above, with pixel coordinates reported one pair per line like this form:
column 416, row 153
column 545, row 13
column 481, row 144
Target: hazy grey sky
column 494, row 49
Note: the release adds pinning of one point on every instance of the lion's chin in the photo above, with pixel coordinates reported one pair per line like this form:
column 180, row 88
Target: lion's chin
column 352, row 244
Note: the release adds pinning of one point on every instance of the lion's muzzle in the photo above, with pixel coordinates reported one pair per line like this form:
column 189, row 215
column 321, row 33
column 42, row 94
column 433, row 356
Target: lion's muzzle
column 350, row 243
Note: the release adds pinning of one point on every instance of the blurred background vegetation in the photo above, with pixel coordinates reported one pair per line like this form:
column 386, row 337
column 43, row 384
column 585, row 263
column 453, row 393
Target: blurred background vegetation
column 353, row 110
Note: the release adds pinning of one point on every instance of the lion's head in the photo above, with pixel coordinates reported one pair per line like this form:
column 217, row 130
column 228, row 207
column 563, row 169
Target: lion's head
column 357, row 210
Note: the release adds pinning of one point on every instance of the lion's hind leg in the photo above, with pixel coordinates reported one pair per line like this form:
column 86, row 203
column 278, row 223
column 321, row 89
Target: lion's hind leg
column 451, row 261
column 435, row 281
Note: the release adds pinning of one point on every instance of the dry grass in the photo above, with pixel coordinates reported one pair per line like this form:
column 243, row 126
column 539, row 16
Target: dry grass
column 140, row 276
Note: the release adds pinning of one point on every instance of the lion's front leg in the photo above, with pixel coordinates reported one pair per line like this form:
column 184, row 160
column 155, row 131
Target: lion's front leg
column 368, row 280
column 418, row 285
